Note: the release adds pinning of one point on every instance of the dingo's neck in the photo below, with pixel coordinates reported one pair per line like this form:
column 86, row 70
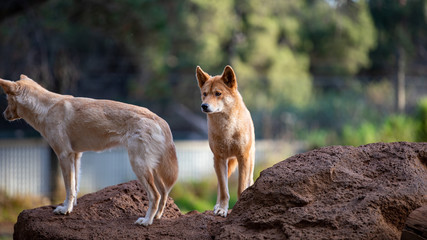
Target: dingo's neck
column 34, row 106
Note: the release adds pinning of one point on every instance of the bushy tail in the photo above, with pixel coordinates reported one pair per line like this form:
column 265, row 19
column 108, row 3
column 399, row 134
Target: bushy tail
column 232, row 164
column 168, row 169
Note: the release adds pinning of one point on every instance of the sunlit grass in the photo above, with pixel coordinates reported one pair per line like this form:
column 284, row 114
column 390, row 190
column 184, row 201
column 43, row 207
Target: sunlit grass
column 10, row 207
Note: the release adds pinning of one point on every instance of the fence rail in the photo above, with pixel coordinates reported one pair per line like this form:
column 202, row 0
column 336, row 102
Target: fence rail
column 25, row 165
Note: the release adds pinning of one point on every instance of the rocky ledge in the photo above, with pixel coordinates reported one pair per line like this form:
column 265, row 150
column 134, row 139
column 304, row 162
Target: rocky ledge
column 334, row 192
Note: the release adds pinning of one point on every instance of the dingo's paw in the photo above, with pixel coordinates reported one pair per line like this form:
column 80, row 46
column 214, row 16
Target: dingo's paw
column 220, row 211
column 60, row 210
column 144, row 221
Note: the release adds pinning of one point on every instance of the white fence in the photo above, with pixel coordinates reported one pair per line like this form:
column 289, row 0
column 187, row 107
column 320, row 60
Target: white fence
column 25, row 165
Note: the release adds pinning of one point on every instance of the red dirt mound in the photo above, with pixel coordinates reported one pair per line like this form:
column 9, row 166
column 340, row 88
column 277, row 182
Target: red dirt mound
column 335, row 192
column 331, row 193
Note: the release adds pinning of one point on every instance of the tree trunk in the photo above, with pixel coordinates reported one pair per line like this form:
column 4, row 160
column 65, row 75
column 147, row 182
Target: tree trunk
column 400, row 97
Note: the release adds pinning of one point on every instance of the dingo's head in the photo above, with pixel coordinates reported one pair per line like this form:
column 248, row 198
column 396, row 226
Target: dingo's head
column 13, row 90
column 218, row 92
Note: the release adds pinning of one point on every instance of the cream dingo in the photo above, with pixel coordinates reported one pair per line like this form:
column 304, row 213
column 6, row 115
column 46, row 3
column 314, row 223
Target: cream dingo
column 72, row 125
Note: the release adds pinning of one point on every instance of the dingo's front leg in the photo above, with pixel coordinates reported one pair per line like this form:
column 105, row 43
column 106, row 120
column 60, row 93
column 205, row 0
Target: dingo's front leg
column 68, row 172
column 221, row 169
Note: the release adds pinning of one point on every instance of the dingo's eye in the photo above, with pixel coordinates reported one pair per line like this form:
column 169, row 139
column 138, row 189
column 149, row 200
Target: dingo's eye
column 205, row 94
column 217, row 94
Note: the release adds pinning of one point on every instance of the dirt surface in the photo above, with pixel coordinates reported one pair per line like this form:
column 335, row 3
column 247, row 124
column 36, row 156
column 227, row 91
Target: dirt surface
column 331, row 193
column 110, row 214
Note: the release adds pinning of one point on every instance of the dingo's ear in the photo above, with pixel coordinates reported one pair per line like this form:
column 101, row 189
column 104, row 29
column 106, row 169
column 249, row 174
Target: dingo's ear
column 9, row 87
column 23, row 76
column 229, row 77
column 202, row 77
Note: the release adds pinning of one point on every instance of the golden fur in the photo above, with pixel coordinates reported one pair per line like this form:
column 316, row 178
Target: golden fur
column 231, row 132
column 72, row 125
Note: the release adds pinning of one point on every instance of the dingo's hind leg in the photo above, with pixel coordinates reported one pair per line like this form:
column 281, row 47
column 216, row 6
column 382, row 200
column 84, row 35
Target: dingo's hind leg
column 246, row 172
column 164, row 193
column 77, row 163
column 142, row 165
column 153, row 198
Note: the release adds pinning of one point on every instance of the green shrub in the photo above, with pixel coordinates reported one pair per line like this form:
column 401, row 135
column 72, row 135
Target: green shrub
column 398, row 128
column 200, row 196
column 421, row 118
column 394, row 128
column 364, row 134
column 320, row 138
column 191, row 196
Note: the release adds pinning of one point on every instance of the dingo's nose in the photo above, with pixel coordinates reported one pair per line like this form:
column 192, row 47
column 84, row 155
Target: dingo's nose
column 205, row 107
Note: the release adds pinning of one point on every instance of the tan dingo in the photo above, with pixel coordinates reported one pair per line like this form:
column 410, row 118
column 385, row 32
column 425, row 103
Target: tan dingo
column 231, row 132
column 72, row 125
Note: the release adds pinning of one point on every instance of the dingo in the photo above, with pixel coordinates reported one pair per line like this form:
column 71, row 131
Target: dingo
column 72, row 125
column 231, row 132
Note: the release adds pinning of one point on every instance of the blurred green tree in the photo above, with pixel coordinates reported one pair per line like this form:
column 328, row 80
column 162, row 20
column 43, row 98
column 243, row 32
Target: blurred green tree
column 401, row 39
column 167, row 38
column 400, row 23
column 272, row 72
column 338, row 35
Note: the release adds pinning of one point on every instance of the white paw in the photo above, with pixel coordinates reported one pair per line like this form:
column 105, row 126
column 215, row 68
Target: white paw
column 62, row 210
column 220, row 211
column 144, row 221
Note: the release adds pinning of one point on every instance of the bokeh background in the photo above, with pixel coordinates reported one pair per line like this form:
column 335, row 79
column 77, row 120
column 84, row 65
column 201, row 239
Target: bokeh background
column 312, row 73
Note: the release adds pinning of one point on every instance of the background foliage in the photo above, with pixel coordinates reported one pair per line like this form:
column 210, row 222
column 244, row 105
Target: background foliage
column 313, row 67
